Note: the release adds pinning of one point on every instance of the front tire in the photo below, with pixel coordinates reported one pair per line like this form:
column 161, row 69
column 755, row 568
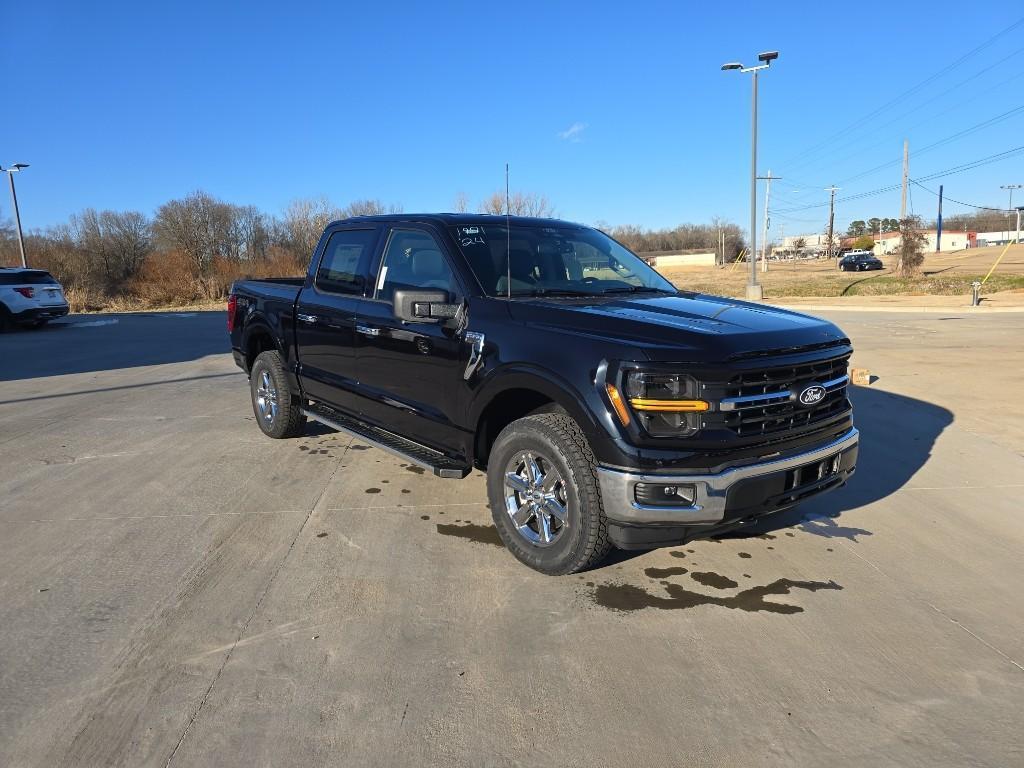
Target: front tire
column 278, row 411
column 544, row 495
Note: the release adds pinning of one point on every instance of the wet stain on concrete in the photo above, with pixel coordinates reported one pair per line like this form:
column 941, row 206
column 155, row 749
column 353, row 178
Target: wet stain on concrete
column 744, row 555
column 627, row 598
column 416, row 470
column 373, row 490
column 661, row 573
column 790, row 533
column 406, row 490
column 424, row 517
column 481, row 534
column 711, row 579
column 678, row 554
column 358, row 447
column 321, row 535
column 303, row 447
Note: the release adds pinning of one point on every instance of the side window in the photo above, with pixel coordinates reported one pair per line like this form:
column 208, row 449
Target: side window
column 345, row 261
column 413, row 259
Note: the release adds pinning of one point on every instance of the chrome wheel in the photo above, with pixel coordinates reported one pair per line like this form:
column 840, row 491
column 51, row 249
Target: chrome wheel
column 535, row 499
column 266, row 398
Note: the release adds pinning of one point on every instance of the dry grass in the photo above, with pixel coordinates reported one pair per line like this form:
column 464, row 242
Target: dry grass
column 942, row 274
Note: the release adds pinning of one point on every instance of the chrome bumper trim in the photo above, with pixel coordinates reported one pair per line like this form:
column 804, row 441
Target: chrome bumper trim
column 708, row 508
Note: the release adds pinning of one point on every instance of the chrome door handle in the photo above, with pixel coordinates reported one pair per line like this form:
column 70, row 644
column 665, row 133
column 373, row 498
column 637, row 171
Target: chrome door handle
column 367, row 330
column 476, row 353
column 306, row 318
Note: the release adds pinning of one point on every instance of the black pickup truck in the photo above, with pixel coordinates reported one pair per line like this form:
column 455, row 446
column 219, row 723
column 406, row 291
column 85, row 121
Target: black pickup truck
column 607, row 407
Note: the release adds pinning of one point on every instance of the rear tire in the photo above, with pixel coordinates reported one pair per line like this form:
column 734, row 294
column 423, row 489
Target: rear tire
column 544, row 495
column 278, row 411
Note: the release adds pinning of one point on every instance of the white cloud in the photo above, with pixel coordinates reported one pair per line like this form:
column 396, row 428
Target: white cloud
column 572, row 133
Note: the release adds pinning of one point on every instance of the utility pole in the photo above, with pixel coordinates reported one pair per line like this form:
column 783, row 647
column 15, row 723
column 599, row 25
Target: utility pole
column 1010, row 187
column 764, row 239
column 831, row 218
column 1019, row 209
column 938, row 232
column 906, row 176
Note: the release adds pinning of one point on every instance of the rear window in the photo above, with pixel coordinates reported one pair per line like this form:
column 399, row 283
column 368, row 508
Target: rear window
column 27, row 277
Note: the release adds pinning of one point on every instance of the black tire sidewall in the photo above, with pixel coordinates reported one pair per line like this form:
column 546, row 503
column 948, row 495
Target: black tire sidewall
column 569, row 550
column 271, row 363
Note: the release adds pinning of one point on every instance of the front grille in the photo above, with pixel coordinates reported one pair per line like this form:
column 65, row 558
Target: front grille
column 764, row 401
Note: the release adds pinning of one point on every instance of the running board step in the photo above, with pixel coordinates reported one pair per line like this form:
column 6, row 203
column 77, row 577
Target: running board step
column 438, row 463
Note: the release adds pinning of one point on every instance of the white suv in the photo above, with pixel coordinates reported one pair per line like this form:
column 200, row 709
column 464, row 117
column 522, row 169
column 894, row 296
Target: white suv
column 29, row 297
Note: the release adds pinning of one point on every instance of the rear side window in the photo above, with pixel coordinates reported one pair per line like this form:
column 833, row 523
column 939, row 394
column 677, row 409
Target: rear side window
column 345, row 261
column 27, row 277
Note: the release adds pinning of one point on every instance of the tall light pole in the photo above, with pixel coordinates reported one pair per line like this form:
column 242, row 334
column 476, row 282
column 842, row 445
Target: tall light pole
column 14, row 202
column 755, row 292
column 1010, row 187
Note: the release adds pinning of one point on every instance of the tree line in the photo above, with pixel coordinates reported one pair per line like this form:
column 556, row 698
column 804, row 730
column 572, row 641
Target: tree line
column 979, row 221
column 192, row 248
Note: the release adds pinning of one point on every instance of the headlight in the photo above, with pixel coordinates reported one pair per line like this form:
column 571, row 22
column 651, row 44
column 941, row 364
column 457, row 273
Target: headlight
column 666, row 404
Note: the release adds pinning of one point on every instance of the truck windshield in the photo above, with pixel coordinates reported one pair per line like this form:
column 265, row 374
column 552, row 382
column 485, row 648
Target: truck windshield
column 558, row 260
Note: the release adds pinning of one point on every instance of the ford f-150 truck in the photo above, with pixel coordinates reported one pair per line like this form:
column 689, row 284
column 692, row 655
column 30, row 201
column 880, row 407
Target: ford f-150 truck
column 607, row 407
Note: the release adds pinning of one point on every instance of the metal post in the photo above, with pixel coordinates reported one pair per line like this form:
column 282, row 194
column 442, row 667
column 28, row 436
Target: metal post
column 1018, row 225
column 764, row 238
column 975, row 293
column 754, row 291
column 831, row 221
column 17, row 219
column 906, row 175
column 938, row 225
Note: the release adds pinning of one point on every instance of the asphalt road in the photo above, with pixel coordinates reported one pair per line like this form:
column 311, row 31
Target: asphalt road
column 176, row 589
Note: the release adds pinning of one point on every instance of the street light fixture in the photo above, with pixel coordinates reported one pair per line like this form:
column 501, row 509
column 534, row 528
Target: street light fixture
column 14, row 203
column 755, row 292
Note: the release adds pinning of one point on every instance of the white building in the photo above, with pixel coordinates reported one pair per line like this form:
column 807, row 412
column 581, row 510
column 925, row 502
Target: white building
column 951, row 241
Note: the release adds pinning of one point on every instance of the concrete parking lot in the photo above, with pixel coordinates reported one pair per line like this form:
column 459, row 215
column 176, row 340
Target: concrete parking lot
column 176, row 589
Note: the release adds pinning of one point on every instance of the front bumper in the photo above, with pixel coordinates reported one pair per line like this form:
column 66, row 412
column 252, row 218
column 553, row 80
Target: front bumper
column 735, row 494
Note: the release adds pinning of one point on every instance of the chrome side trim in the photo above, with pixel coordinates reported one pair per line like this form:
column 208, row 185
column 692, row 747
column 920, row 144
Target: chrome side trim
column 708, row 508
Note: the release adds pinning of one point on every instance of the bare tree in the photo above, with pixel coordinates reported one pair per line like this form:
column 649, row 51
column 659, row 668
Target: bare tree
column 519, row 204
column 200, row 226
column 368, row 208
column 910, row 251
column 117, row 241
column 304, row 220
column 461, row 204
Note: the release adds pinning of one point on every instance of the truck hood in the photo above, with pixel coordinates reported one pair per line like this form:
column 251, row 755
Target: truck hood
column 687, row 327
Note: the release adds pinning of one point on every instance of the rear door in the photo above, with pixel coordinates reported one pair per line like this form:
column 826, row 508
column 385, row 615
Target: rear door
column 325, row 315
column 410, row 374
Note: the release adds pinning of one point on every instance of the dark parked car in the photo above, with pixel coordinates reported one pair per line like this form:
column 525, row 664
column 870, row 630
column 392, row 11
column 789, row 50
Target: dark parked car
column 860, row 261
column 607, row 407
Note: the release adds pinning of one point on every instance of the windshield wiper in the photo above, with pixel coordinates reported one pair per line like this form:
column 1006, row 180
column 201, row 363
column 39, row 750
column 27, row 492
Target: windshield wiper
column 637, row 289
column 554, row 292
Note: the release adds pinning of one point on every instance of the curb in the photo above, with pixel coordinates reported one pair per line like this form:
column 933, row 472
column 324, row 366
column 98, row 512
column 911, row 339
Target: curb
column 929, row 309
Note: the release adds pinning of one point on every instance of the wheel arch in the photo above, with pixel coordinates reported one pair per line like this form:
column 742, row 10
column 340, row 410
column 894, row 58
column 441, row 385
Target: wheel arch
column 511, row 395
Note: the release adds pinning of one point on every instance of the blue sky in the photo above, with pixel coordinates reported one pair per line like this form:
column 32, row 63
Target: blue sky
column 618, row 112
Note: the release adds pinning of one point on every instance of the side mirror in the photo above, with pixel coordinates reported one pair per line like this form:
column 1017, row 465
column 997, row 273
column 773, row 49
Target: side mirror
column 424, row 306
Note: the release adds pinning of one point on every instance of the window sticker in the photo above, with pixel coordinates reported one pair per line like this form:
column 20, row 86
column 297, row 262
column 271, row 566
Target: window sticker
column 380, row 280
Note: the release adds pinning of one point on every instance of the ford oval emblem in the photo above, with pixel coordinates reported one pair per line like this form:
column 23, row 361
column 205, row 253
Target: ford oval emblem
column 812, row 395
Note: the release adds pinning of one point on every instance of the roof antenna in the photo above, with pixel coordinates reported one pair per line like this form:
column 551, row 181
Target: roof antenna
column 508, row 241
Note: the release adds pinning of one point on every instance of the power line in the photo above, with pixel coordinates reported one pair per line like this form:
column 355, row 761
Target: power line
column 917, row 108
column 959, row 202
column 947, row 172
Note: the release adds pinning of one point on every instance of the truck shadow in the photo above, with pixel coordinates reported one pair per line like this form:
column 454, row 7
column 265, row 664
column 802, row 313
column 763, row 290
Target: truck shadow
column 107, row 342
column 897, row 436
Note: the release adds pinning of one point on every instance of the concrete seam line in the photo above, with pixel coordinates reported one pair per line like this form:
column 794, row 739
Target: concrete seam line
column 256, row 608
column 155, row 517
column 939, row 611
column 407, row 506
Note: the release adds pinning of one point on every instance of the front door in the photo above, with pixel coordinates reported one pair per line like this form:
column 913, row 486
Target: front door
column 325, row 317
column 410, row 374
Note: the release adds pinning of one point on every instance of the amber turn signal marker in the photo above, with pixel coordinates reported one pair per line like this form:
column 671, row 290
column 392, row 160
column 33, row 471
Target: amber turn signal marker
column 675, row 406
column 620, row 407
